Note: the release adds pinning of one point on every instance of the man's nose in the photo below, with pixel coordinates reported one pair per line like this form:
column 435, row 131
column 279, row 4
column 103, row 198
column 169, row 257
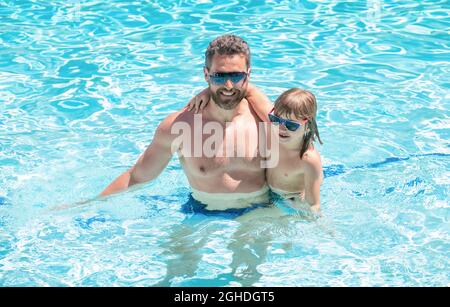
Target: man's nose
column 229, row 84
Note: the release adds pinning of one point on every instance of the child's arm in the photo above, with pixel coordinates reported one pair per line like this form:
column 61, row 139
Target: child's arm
column 259, row 102
column 313, row 180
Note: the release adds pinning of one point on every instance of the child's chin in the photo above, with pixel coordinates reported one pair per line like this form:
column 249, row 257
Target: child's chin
column 284, row 139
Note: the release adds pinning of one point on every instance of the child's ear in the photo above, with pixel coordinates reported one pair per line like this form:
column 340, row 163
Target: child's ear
column 308, row 127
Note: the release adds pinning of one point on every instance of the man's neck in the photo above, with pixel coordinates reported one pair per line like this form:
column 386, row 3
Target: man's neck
column 222, row 115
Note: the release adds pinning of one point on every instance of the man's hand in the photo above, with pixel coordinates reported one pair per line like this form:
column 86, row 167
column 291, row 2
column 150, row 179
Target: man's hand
column 200, row 101
column 75, row 205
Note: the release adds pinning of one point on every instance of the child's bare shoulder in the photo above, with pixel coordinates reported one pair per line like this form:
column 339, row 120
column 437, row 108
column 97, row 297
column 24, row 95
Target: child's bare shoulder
column 312, row 160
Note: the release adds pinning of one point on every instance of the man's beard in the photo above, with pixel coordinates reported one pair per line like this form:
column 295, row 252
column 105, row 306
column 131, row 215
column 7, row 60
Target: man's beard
column 228, row 103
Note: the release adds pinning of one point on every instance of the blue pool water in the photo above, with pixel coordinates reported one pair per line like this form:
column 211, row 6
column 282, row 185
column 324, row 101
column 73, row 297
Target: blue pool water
column 83, row 85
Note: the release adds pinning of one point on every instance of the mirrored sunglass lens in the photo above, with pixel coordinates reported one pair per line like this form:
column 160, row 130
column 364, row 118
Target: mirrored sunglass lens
column 291, row 126
column 274, row 119
column 235, row 78
column 218, row 79
column 221, row 78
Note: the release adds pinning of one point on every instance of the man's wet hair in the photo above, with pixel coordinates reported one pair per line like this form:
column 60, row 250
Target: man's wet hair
column 227, row 44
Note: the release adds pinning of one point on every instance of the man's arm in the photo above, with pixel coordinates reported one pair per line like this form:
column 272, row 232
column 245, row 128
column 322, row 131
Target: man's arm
column 259, row 102
column 313, row 180
column 151, row 163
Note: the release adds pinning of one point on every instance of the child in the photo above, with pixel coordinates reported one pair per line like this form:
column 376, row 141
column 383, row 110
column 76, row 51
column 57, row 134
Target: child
column 298, row 175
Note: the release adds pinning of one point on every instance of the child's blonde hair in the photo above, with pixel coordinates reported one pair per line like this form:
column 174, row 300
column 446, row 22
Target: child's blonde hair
column 301, row 104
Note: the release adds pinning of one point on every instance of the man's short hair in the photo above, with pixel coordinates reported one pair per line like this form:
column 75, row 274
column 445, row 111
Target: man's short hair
column 227, row 44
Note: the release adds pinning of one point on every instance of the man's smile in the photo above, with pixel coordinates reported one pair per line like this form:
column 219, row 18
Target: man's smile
column 227, row 93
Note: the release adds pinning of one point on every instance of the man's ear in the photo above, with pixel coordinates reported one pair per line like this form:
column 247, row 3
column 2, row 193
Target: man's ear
column 206, row 74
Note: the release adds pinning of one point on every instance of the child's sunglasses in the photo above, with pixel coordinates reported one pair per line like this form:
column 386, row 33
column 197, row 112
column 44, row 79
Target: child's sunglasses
column 289, row 124
column 222, row 77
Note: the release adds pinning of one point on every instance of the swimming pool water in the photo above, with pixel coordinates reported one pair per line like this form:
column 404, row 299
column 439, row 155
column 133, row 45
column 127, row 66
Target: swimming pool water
column 83, row 85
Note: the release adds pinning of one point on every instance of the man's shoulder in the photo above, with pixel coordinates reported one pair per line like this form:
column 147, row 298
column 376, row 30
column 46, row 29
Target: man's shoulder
column 249, row 113
column 169, row 124
column 182, row 115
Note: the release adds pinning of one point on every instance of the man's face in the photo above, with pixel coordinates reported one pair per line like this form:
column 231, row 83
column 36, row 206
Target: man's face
column 227, row 95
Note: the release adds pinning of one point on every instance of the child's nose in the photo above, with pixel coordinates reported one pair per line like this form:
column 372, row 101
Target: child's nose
column 282, row 127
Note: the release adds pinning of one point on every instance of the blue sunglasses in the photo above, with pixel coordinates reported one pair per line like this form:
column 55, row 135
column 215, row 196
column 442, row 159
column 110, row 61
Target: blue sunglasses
column 222, row 77
column 289, row 124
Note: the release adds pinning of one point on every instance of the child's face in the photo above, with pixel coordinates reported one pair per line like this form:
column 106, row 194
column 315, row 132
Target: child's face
column 287, row 136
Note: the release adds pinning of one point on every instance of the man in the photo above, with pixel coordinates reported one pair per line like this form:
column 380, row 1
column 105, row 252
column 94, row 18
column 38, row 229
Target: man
column 232, row 179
